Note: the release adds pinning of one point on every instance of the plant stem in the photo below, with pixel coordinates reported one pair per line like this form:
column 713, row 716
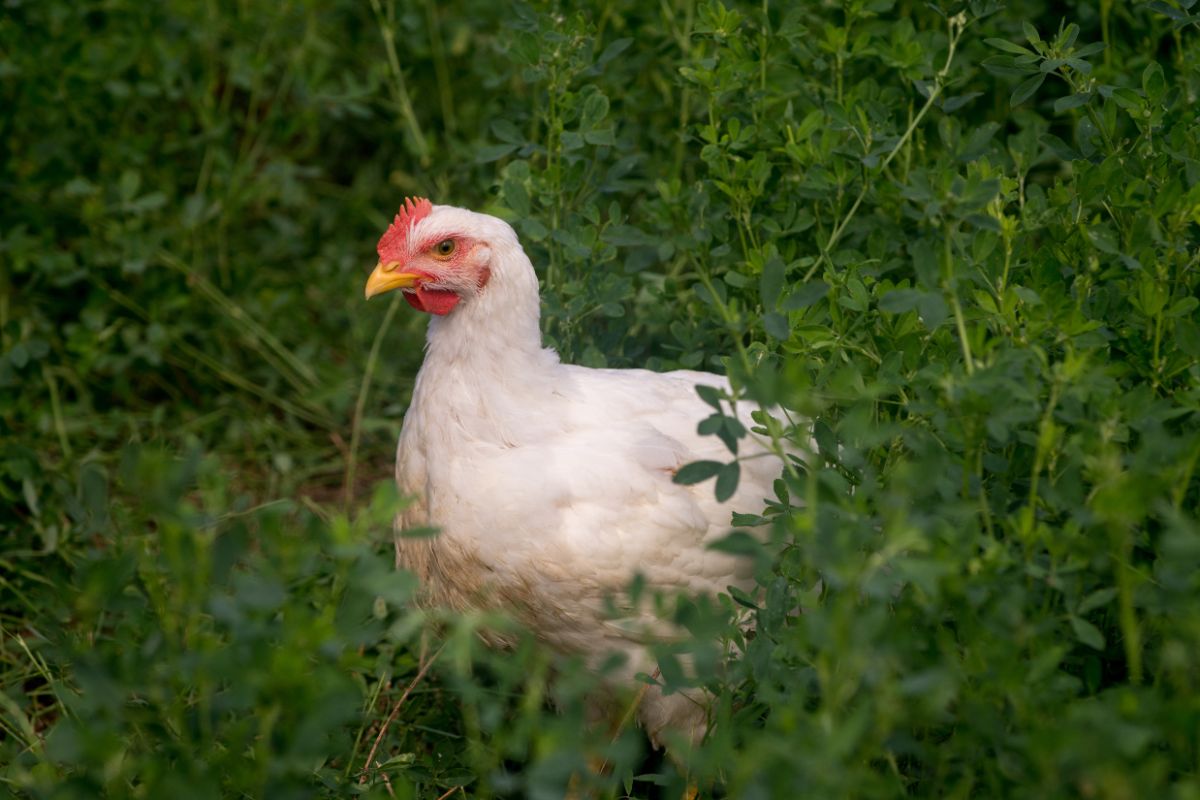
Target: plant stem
column 952, row 289
column 961, row 324
column 361, row 404
column 957, row 26
column 403, row 100
column 1131, row 634
column 438, row 49
column 56, row 410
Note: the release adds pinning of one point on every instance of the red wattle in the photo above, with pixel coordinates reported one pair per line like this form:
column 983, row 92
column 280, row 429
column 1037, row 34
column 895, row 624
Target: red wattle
column 432, row 301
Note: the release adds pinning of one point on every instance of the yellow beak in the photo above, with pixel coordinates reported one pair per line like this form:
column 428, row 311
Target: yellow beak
column 386, row 277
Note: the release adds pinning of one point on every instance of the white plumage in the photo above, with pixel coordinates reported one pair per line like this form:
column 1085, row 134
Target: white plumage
column 551, row 484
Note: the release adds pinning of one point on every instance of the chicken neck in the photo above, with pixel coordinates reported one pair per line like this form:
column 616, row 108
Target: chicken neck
column 484, row 362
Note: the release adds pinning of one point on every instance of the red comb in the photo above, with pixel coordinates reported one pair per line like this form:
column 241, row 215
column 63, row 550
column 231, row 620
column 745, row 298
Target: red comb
column 394, row 239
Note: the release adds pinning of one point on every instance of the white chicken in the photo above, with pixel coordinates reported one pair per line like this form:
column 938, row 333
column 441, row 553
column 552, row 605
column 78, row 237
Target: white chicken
column 551, row 484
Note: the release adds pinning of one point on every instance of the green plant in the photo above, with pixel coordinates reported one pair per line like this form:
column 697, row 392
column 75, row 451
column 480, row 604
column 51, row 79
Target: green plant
column 955, row 245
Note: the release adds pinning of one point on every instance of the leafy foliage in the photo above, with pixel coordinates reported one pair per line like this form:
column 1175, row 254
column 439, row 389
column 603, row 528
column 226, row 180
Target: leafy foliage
column 956, row 246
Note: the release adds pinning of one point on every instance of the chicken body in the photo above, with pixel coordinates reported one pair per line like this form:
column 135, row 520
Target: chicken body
column 552, row 484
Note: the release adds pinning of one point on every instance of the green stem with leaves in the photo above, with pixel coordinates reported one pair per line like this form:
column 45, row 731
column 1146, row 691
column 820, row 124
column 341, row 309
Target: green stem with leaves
column 956, row 25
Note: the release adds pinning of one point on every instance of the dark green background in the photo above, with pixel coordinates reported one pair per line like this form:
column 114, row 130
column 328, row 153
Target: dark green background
column 986, row 301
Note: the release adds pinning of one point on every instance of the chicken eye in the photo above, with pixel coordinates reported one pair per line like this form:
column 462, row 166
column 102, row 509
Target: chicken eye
column 444, row 248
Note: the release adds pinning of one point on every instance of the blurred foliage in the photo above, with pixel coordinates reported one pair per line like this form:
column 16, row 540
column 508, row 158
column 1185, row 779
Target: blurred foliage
column 962, row 239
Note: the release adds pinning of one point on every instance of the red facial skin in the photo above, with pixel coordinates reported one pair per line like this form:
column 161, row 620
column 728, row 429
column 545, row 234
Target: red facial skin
column 454, row 270
column 431, row 301
column 437, row 269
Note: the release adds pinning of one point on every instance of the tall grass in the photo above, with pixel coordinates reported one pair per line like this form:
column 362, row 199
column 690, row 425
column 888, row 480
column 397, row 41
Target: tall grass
column 956, row 244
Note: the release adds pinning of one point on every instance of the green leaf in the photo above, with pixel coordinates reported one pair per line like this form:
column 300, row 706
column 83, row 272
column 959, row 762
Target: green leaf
column 1129, row 100
column 516, row 196
column 1071, row 101
column 952, row 104
column 1026, row 89
column 493, row 152
column 614, row 49
column 18, row 356
column 805, row 295
column 1087, row 633
column 1060, row 148
column 1165, row 9
column 741, row 598
column 506, row 131
column 1187, row 337
column 933, row 310
column 739, row 543
column 899, row 301
column 1154, row 83
column 729, row 432
column 602, row 137
column 710, row 395
column 533, row 228
column 1096, row 599
column 771, row 282
column 825, row 438
column 595, row 109
column 776, row 325
column 1089, row 50
column 742, row 520
column 1066, row 39
column 1004, row 65
column 29, row 494
column 1183, row 307
column 1027, row 295
column 1103, row 239
column 736, row 279
column 697, row 471
column 727, row 481
column 629, row 236
column 1009, row 47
